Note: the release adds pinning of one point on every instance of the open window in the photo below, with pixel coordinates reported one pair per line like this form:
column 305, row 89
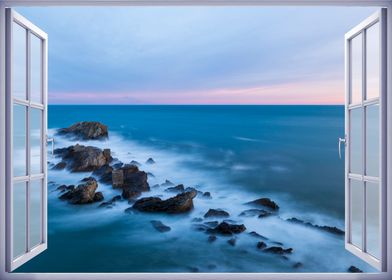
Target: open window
column 365, row 112
column 26, row 173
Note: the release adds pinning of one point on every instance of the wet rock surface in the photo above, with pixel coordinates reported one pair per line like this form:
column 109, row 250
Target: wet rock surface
column 354, row 269
column 264, row 202
column 218, row 213
column 85, row 131
column 159, row 226
column 225, row 228
column 83, row 193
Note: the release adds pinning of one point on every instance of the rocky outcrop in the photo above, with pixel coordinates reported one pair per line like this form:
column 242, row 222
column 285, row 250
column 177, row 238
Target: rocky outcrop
column 225, row 228
column 85, row 131
column 278, row 250
column 177, row 189
column 104, row 174
column 60, row 166
column 333, row 230
column 83, row 193
column 181, row 203
column 265, row 202
column 81, row 158
column 131, row 180
column 159, row 226
column 218, row 213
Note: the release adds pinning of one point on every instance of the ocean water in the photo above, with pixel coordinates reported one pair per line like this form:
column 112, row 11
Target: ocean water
column 238, row 153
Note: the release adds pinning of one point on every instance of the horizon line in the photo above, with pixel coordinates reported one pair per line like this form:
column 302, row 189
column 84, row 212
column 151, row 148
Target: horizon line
column 186, row 104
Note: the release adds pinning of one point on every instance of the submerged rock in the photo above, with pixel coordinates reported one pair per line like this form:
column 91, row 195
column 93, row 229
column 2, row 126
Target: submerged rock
column 298, row 265
column 150, row 161
column 255, row 234
column 329, row 229
column 212, row 238
column 216, row 213
column 225, row 228
column 206, row 195
column 261, row 245
column 181, row 203
column 159, row 226
column 81, row 158
column 265, row 202
column 278, row 250
column 354, row 269
column 86, row 131
column 167, row 183
column 232, row 241
column 83, row 193
column 255, row 212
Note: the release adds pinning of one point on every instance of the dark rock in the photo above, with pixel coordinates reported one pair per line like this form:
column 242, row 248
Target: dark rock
column 200, row 227
column 104, row 173
column 261, row 245
column 207, row 195
column 106, row 204
column 81, row 158
column 255, row 234
column 216, row 213
column 298, row 265
column 212, row 238
column 329, row 229
column 193, row 269
column 177, row 189
column 167, row 183
column 197, row 220
column 179, row 204
column 149, row 174
column 61, row 188
column 354, row 269
column 134, row 162
column 277, row 243
column 254, row 212
column 232, row 241
column 131, row 180
column 60, row 166
column 159, row 226
column 83, row 193
column 115, row 198
column 150, row 161
column 86, row 131
column 117, row 165
column 128, row 193
column 98, row 196
column 265, row 202
column 278, row 250
column 227, row 229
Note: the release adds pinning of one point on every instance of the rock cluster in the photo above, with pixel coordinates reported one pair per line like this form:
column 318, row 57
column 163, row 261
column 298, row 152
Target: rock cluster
column 85, row 131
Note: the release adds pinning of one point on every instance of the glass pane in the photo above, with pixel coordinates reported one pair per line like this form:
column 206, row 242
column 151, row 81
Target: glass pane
column 373, row 61
column 372, row 140
column 356, row 141
column 35, row 140
column 356, row 210
column 36, row 66
column 35, row 213
column 373, row 219
column 19, row 62
column 19, row 140
column 356, row 70
column 19, row 219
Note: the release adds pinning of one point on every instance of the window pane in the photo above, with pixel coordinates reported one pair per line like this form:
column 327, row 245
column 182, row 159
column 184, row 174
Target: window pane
column 35, row 140
column 19, row 61
column 19, row 140
column 35, row 213
column 36, row 69
column 372, row 140
column 373, row 61
column 356, row 141
column 356, row 70
column 19, row 219
column 373, row 219
column 356, row 210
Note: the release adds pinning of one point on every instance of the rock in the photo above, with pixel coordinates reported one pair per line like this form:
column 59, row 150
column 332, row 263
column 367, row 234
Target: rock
column 150, row 161
column 177, row 189
column 225, row 228
column 106, row 204
column 134, row 162
column 128, row 193
column 117, row 178
column 197, row 220
column 329, row 229
column 254, row 212
column 167, row 183
column 60, row 166
column 131, row 180
column 207, row 195
column 255, row 234
column 232, row 241
column 156, row 186
column 61, row 188
column 193, row 269
column 149, row 174
column 115, row 198
column 200, row 227
column 261, row 245
column 181, row 203
column 216, row 213
column 278, row 250
column 212, row 238
column 86, row 131
column 159, row 226
column 354, row 269
column 98, row 196
column 83, row 193
column 277, row 243
column 265, row 202
column 81, row 158
column 104, row 173
column 117, row 165
column 298, row 265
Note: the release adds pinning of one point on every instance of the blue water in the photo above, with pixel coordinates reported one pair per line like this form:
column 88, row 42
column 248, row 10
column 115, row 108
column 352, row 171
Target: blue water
column 238, row 153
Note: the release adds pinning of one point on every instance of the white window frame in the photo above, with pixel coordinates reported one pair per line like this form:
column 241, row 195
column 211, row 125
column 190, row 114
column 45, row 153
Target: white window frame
column 387, row 275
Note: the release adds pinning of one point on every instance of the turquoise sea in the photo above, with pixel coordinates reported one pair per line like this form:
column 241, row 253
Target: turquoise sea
column 238, row 154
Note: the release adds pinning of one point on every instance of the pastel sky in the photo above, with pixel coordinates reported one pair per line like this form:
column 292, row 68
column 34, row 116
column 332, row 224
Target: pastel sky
column 196, row 55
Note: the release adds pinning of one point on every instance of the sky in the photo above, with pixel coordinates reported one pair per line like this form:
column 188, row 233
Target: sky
column 196, row 55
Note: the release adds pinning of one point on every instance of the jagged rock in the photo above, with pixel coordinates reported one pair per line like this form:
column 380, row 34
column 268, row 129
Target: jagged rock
column 131, row 180
column 225, row 228
column 278, row 250
column 86, row 131
column 134, row 162
column 61, row 188
column 150, row 161
column 255, row 234
column 104, row 173
column 177, row 189
column 83, row 193
column 81, row 158
column 179, row 204
column 212, row 238
column 207, row 195
column 329, row 229
column 167, row 183
column 354, row 269
column 232, row 241
column 216, row 213
column 265, row 202
column 128, row 193
column 117, row 165
column 60, row 166
column 159, row 226
column 261, row 245
column 255, row 212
